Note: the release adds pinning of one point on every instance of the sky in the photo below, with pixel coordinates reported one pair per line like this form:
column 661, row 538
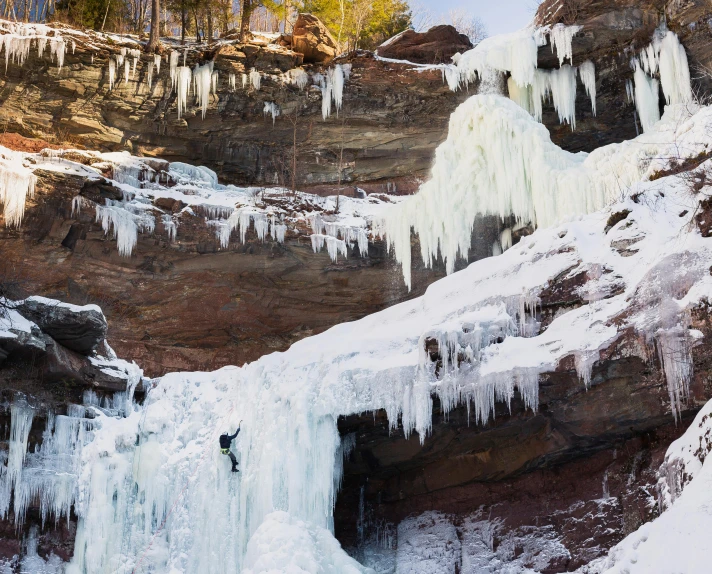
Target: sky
column 498, row 15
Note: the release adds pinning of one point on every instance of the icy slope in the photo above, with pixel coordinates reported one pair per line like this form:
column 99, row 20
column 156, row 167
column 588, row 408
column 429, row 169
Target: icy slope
column 679, row 540
column 155, row 492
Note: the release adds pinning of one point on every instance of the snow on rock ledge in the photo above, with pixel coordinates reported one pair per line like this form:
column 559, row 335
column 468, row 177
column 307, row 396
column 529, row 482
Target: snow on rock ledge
column 679, row 539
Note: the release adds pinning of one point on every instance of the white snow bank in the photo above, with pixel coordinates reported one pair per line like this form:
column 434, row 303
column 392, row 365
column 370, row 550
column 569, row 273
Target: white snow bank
column 284, row 545
column 679, row 539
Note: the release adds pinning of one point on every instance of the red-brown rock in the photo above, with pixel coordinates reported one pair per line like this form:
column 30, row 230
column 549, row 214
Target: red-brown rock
column 436, row 46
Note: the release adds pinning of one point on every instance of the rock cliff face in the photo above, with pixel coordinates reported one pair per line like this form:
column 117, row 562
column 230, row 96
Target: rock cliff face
column 583, row 466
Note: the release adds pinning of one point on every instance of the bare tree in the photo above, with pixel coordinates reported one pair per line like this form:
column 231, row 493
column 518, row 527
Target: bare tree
column 469, row 25
column 421, row 17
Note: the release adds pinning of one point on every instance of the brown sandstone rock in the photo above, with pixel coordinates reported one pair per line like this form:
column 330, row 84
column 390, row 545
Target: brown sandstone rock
column 436, row 46
column 311, row 38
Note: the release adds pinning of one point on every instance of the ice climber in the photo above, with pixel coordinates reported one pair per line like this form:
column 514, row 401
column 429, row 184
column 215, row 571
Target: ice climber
column 225, row 441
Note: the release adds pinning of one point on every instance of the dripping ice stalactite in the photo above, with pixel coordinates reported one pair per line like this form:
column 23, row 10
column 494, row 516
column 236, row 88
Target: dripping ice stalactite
column 561, row 38
column 17, row 183
column 587, row 73
column 183, row 77
column 646, row 99
column 214, row 83
column 157, row 63
column 255, row 79
column 112, row 73
column 337, row 237
column 298, row 77
column 241, row 219
column 232, row 81
column 17, row 38
column 674, row 348
column 174, row 68
column 666, row 57
column 127, row 67
column 202, row 80
column 271, row 109
column 245, row 80
column 125, row 225
column 332, row 89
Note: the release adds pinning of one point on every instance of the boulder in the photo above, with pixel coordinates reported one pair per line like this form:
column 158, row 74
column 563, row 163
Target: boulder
column 80, row 329
column 436, row 46
column 311, row 38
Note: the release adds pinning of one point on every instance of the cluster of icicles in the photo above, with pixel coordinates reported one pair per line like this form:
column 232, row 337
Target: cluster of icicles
column 337, row 237
column 203, row 80
column 662, row 64
column 515, row 55
column 17, row 39
column 242, row 218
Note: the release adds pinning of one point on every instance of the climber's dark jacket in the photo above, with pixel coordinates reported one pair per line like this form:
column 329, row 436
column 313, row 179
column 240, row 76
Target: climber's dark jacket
column 226, row 439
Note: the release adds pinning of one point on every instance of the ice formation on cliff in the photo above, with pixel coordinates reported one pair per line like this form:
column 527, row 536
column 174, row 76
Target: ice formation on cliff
column 16, row 39
column 17, row 183
column 499, row 161
column 666, row 58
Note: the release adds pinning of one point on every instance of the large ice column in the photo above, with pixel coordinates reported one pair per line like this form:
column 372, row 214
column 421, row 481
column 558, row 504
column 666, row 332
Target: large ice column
column 497, row 160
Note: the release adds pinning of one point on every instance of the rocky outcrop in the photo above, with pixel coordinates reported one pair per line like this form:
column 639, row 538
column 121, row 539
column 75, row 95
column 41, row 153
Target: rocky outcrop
column 80, row 329
column 581, row 471
column 190, row 304
column 436, row 46
column 612, row 32
column 312, row 39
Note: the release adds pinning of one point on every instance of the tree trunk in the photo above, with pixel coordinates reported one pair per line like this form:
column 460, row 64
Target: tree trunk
column 154, row 40
column 182, row 22
column 245, row 19
column 209, row 18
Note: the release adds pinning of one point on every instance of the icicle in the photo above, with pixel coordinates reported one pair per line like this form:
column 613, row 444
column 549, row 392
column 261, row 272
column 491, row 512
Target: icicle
column 112, row 73
column 183, row 77
column 231, row 81
column 74, row 46
column 202, row 78
column 674, row 71
column 214, row 84
column 298, row 77
column 157, row 63
column 629, row 92
column 326, row 97
column 255, row 79
column 149, row 75
column 272, row 109
column 336, row 75
column 587, row 73
column 561, row 37
column 127, row 67
column 16, row 184
column 646, row 98
column 674, row 349
column 244, row 80
column 174, row 68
